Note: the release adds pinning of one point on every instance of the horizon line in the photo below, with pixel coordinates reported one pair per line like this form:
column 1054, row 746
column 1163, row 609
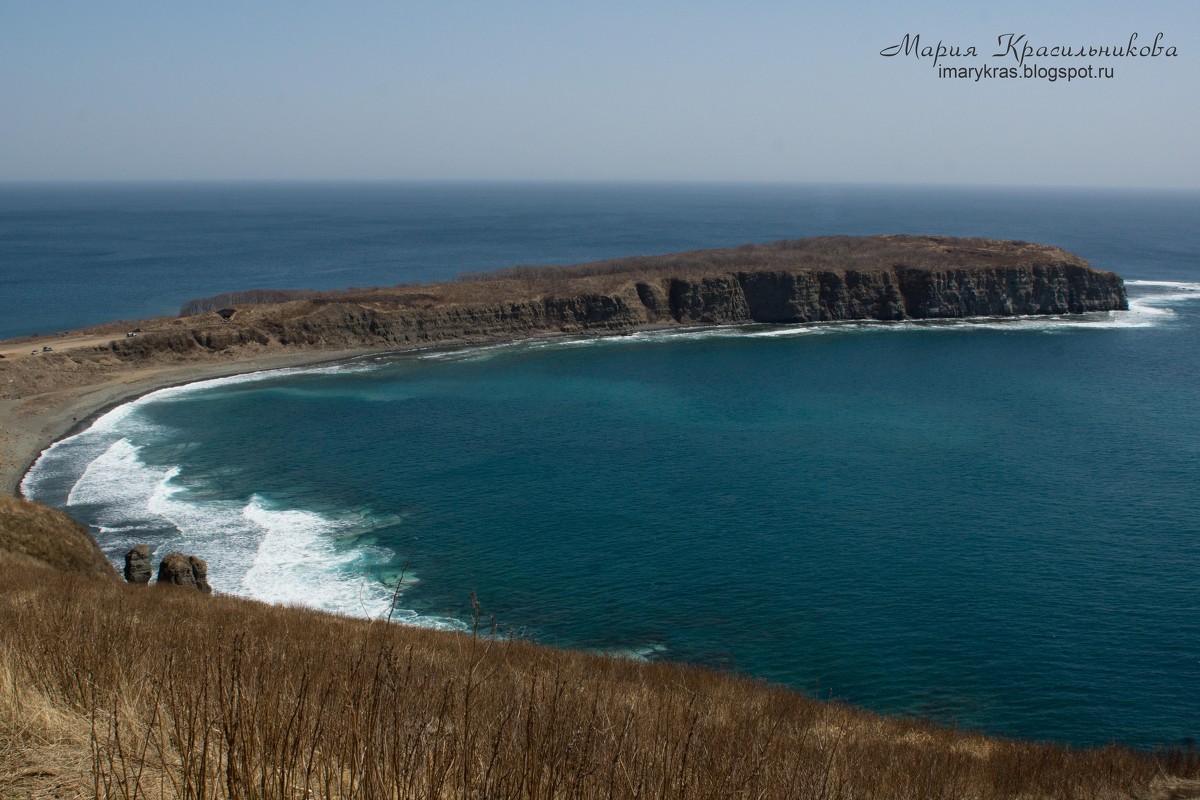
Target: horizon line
column 567, row 182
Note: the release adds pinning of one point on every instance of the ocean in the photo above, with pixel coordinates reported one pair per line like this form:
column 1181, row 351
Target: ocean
column 987, row 522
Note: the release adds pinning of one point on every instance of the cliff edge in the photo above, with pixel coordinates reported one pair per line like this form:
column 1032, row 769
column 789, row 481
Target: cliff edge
column 806, row 280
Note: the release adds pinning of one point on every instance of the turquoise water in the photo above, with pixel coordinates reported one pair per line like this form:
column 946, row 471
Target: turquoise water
column 993, row 522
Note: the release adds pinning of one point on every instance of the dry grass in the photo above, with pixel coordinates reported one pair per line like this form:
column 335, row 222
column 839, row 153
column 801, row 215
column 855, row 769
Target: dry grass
column 244, row 297
column 44, row 749
column 50, row 537
column 818, row 253
column 120, row 691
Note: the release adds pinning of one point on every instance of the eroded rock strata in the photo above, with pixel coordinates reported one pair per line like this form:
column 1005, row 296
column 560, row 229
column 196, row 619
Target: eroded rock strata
column 808, row 280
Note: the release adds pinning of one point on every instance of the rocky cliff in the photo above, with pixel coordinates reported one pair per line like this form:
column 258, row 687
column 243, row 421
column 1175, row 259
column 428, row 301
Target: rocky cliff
column 810, row 280
column 1055, row 283
column 894, row 294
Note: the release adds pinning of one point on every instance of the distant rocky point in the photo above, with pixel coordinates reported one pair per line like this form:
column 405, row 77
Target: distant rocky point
column 807, row 280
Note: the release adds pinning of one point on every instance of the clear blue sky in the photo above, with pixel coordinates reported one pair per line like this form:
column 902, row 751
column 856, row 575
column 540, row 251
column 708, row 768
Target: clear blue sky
column 699, row 90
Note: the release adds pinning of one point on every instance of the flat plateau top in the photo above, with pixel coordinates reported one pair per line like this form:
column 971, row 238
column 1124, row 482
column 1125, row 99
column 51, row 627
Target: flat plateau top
column 841, row 253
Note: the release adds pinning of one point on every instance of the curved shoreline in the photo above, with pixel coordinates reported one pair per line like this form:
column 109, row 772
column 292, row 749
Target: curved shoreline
column 25, row 434
column 29, row 432
column 67, row 412
column 179, row 375
column 823, row 279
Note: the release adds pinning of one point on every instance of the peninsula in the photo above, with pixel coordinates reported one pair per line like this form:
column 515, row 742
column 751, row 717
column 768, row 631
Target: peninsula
column 48, row 384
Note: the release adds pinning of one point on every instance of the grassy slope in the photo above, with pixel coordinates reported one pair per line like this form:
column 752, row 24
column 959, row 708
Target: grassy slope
column 46, row 536
column 121, row 691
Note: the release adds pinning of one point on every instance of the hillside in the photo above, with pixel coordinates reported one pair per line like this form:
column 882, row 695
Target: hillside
column 33, row 534
column 112, row 690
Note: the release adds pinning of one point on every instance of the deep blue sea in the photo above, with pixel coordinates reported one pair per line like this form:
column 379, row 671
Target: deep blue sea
column 991, row 522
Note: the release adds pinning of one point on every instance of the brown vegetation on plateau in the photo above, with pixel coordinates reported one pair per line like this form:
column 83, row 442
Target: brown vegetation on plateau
column 113, row 691
column 836, row 254
column 820, row 253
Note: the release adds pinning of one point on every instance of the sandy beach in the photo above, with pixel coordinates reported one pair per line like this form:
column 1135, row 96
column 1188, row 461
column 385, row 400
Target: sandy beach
column 30, row 424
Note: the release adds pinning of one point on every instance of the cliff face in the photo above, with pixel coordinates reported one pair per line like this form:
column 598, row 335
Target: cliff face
column 739, row 297
column 895, row 294
column 347, row 324
column 832, row 278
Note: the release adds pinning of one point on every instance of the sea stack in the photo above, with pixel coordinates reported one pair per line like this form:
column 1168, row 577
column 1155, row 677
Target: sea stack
column 138, row 568
column 178, row 569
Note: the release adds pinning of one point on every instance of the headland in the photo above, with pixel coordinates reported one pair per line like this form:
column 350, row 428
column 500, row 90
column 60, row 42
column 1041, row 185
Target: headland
column 48, row 385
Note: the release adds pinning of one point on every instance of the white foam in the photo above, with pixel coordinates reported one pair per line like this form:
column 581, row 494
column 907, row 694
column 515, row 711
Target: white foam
column 647, row 652
column 476, row 353
column 1189, row 286
column 804, row 329
column 118, row 481
column 253, row 550
column 690, row 333
column 121, row 415
column 72, row 453
column 297, row 563
column 211, row 529
column 280, row 556
column 1170, row 293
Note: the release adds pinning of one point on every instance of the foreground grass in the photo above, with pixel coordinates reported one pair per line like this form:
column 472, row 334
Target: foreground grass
column 109, row 690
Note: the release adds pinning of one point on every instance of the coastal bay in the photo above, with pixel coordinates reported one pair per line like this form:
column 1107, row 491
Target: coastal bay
column 686, row 335
column 75, row 375
column 701, row 330
column 559, row 401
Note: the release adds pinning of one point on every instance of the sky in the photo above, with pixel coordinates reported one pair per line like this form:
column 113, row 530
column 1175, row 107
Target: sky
column 706, row 90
